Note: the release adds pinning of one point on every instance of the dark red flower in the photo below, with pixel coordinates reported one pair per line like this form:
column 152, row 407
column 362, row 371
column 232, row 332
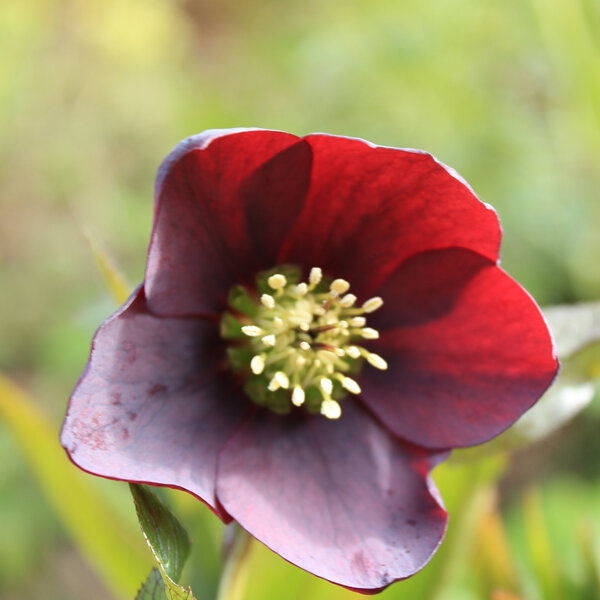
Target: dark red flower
column 166, row 396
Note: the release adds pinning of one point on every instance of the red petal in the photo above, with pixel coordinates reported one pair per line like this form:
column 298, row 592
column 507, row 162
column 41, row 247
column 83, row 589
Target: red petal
column 468, row 351
column 153, row 405
column 225, row 202
column 369, row 208
column 341, row 499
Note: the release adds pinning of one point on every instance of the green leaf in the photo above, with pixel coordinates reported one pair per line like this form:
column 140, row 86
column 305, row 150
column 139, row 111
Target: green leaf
column 109, row 543
column 166, row 538
column 153, row 588
column 113, row 278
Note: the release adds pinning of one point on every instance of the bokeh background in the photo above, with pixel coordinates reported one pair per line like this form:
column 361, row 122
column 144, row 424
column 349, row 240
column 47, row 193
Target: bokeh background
column 94, row 93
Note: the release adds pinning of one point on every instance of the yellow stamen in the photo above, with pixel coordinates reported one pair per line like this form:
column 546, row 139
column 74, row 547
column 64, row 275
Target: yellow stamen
column 372, row 304
column 268, row 340
column 257, row 364
column 298, row 396
column 348, row 300
column 326, row 386
column 350, row 385
column 315, row 276
column 339, row 287
column 369, row 333
column 277, row 281
column 282, row 379
column 251, row 330
column 301, row 289
column 358, row 321
column 375, row 360
column 331, row 409
column 352, row 351
column 268, row 300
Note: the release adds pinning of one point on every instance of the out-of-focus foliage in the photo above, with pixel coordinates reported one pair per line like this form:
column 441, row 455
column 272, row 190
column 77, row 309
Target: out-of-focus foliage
column 103, row 536
column 93, row 95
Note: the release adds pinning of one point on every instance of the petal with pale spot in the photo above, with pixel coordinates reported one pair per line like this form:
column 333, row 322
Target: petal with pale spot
column 153, row 404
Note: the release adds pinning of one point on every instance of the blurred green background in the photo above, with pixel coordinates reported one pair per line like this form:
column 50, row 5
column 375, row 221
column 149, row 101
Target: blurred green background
column 94, row 93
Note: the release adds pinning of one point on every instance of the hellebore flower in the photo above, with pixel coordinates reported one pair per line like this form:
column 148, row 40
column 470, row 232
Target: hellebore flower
column 320, row 321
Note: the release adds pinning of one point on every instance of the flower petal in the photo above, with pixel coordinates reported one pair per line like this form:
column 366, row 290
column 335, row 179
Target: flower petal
column 342, row 499
column 370, row 207
column 468, row 351
column 225, row 201
column 153, row 405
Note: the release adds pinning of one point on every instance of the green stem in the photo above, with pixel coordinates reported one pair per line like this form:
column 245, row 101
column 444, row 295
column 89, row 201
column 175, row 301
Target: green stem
column 235, row 566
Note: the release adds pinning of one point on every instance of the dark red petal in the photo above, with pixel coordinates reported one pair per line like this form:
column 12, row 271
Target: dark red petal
column 153, row 405
column 225, row 202
column 342, row 499
column 369, row 208
column 468, row 351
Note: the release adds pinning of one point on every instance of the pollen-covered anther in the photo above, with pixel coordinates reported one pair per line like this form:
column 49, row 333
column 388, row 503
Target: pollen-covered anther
column 339, row 287
column 352, row 351
column 348, row 300
column 268, row 300
column 375, row 360
column 252, row 330
column 298, row 396
column 358, row 322
column 268, row 340
column 301, row 289
column 349, row 384
column 326, row 386
column 372, row 304
column 315, row 276
column 282, row 380
column 257, row 364
column 277, row 281
column 331, row 409
column 369, row 333
column 304, row 345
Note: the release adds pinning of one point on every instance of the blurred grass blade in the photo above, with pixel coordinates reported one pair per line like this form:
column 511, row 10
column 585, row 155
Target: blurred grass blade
column 493, row 557
column 113, row 278
column 167, row 539
column 544, row 561
column 153, row 588
column 110, row 545
column 591, row 561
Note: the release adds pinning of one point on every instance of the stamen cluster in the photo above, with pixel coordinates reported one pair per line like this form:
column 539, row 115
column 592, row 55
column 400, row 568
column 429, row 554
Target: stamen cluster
column 303, row 344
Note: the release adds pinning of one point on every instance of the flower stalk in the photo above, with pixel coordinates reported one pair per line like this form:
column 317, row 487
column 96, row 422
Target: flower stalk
column 235, row 565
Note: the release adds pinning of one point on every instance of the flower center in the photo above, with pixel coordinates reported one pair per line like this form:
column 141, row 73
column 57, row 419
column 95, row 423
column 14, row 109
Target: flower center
column 299, row 343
